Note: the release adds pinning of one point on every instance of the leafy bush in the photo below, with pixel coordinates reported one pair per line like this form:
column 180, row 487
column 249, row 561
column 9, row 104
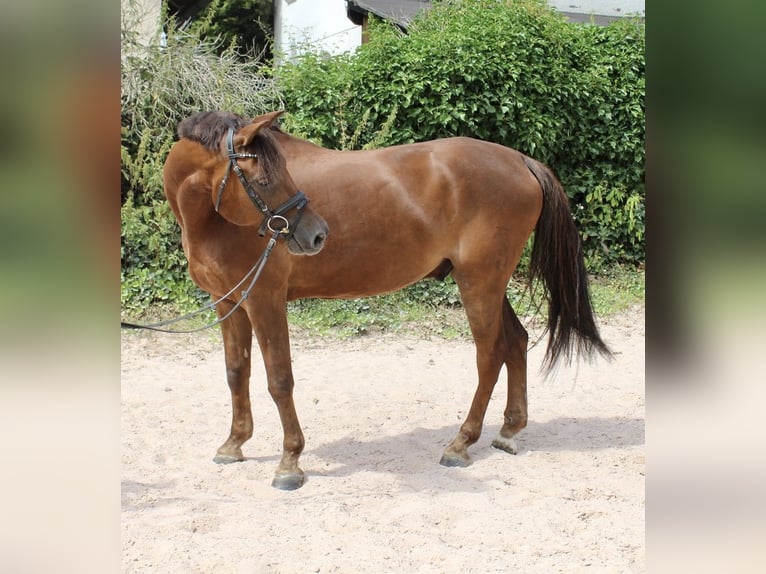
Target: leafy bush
column 510, row 72
column 515, row 73
column 154, row 268
column 161, row 85
column 246, row 24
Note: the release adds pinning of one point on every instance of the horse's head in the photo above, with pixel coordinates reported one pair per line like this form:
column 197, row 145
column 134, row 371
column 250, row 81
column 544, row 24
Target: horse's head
column 263, row 194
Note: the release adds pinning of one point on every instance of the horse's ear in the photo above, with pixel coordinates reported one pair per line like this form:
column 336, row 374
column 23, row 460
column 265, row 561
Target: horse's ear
column 245, row 135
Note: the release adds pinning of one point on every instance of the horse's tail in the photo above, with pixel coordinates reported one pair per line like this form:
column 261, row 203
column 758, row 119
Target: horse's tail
column 557, row 259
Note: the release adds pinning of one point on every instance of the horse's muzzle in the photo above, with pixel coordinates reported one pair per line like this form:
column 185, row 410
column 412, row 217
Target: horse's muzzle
column 308, row 238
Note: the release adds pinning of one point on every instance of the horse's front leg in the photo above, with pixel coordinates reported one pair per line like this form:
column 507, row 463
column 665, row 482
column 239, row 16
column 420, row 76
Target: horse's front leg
column 270, row 323
column 237, row 344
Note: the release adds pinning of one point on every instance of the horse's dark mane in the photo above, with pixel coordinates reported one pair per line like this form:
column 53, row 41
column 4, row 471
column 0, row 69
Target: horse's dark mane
column 208, row 128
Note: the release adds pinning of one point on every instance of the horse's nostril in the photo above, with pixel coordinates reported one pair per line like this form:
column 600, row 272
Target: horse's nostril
column 319, row 239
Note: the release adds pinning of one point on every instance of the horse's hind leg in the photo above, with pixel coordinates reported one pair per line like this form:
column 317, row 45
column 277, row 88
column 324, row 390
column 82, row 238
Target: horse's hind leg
column 516, row 364
column 482, row 306
column 237, row 343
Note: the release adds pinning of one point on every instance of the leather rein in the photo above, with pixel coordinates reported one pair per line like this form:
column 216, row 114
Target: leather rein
column 298, row 202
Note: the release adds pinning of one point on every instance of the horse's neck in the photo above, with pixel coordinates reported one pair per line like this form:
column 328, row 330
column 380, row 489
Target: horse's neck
column 195, row 205
column 296, row 147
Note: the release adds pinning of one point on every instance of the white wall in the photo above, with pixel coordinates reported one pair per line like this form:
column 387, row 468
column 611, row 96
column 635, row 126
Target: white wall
column 143, row 17
column 322, row 22
column 601, row 7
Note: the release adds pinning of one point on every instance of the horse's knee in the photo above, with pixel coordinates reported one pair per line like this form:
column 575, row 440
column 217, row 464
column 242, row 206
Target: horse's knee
column 237, row 374
column 281, row 387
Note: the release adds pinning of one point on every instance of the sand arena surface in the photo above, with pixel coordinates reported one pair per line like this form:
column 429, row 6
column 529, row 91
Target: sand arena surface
column 377, row 412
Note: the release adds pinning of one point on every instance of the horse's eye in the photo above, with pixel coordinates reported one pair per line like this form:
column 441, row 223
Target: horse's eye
column 259, row 181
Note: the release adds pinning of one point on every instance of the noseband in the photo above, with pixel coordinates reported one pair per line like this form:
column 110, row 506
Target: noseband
column 297, row 201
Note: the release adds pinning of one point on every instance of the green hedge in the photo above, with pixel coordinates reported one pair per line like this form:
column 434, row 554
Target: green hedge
column 511, row 72
column 515, row 73
column 161, row 85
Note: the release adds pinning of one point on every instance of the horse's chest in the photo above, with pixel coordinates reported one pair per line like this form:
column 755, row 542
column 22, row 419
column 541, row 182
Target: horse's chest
column 207, row 267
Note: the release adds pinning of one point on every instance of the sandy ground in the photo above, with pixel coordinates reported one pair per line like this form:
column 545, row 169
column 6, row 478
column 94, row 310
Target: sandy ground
column 377, row 412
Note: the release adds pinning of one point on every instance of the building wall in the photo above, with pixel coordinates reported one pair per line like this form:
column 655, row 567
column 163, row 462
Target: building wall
column 144, row 17
column 614, row 8
column 322, row 22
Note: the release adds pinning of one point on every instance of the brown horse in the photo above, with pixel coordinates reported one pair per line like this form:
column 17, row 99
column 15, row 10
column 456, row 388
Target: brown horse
column 397, row 215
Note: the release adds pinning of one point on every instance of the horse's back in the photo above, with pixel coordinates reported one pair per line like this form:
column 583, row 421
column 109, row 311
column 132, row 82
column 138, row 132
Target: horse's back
column 460, row 169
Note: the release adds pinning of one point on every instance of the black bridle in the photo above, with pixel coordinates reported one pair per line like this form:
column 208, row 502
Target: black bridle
column 298, row 201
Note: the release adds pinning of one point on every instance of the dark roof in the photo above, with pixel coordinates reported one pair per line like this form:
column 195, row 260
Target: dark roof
column 400, row 12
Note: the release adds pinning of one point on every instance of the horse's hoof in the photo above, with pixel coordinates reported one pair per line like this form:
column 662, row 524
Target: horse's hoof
column 506, row 444
column 227, row 458
column 290, row 481
column 452, row 459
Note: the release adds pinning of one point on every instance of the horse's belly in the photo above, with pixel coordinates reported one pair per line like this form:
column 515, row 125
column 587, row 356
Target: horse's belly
column 360, row 274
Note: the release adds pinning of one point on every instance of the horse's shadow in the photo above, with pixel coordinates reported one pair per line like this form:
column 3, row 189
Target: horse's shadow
column 414, row 455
